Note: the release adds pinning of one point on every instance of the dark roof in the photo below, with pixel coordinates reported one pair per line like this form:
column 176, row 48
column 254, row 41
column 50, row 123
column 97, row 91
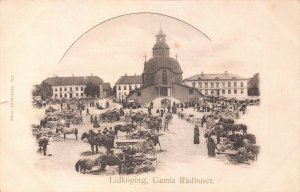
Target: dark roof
column 136, row 79
column 215, row 76
column 156, row 63
column 76, row 80
column 161, row 45
column 106, row 86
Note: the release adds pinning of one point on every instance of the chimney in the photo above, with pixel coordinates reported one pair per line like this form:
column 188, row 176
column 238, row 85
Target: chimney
column 91, row 74
column 134, row 74
column 125, row 74
column 72, row 75
column 226, row 72
column 202, row 73
column 54, row 75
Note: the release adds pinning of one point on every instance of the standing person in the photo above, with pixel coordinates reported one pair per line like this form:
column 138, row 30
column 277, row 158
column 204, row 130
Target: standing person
column 166, row 124
column 211, row 146
column 87, row 112
column 61, row 105
column 196, row 135
column 169, row 109
column 92, row 119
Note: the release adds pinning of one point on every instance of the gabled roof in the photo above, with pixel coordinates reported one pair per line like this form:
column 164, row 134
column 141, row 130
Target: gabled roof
column 214, row 76
column 76, row 80
column 136, row 79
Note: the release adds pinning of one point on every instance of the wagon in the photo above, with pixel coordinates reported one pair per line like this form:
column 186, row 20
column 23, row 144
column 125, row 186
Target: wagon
column 132, row 161
column 233, row 156
column 125, row 142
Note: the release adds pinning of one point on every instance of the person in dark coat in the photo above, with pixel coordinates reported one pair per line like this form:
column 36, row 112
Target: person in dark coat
column 87, row 112
column 96, row 124
column 92, row 119
column 211, row 146
column 196, row 135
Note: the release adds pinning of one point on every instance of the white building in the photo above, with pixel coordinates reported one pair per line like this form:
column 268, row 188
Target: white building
column 222, row 84
column 72, row 87
column 125, row 84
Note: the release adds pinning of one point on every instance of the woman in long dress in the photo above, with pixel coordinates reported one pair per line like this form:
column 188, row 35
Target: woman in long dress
column 196, row 135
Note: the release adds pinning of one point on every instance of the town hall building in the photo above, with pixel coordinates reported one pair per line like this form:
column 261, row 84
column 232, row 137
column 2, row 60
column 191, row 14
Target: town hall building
column 162, row 79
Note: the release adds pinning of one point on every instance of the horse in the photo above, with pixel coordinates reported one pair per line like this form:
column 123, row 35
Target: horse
column 223, row 120
column 124, row 128
column 65, row 130
column 43, row 142
column 138, row 118
column 239, row 127
column 103, row 160
column 98, row 141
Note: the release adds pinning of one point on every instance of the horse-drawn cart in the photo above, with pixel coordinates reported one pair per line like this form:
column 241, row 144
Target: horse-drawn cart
column 139, row 163
column 128, row 142
column 235, row 156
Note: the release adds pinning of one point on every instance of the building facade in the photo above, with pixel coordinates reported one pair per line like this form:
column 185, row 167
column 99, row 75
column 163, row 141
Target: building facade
column 222, row 84
column 72, row 87
column 162, row 79
column 126, row 84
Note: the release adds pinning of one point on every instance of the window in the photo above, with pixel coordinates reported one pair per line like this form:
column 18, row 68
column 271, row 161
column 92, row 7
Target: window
column 60, row 95
column 242, row 84
column 139, row 94
column 212, row 92
column 229, row 91
column 55, row 89
column 229, row 84
column 234, row 84
column 164, row 77
column 65, row 89
column 200, row 84
column 223, row 84
column 81, row 88
column 119, row 87
column 223, row 91
column 125, row 87
column 206, row 92
column 206, row 84
column 135, row 86
column 65, row 95
column 76, row 94
column 193, row 84
column 242, row 91
column 81, row 94
column 217, row 84
column 191, row 91
column 129, row 87
column 211, row 84
column 60, row 88
column 55, row 96
column 71, row 89
column 76, row 88
column 235, row 91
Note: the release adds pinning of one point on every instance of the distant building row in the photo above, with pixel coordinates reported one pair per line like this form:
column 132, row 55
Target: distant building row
column 220, row 84
column 73, row 87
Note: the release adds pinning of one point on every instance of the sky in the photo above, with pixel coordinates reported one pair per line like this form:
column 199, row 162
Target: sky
column 118, row 46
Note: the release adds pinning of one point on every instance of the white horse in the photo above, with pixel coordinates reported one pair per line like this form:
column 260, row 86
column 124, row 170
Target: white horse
column 66, row 130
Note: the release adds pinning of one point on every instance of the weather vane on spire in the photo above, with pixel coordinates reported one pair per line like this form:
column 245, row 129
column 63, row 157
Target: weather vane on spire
column 176, row 56
column 145, row 57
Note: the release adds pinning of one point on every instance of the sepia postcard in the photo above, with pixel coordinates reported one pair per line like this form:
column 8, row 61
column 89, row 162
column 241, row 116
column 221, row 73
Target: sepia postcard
column 150, row 96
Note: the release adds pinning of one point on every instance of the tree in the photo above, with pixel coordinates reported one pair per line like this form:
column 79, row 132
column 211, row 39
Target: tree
column 253, row 86
column 92, row 89
column 44, row 90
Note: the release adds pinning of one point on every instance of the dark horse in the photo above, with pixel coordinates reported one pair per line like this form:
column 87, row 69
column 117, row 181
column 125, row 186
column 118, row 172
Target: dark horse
column 124, row 128
column 43, row 142
column 138, row 118
column 103, row 160
column 98, row 141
